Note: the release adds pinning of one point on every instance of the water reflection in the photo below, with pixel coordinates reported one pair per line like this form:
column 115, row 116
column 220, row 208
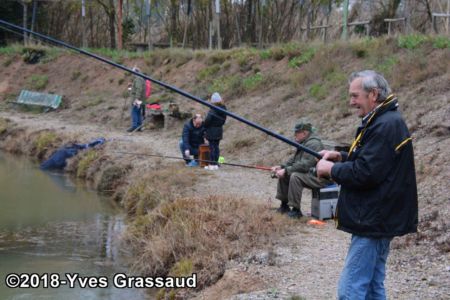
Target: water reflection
column 49, row 224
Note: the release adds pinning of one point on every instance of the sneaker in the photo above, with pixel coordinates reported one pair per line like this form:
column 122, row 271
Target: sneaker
column 214, row 167
column 295, row 213
column 283, row 209
column 131, row 129
column 193, row 163
column 207, row 168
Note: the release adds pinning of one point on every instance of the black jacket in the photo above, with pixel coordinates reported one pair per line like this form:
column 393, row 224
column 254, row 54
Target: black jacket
column 214, row 124
column 192, row 137
column 378, row 195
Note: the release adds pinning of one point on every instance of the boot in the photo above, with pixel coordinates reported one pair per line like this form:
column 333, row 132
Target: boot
column 283, row 209
column 295, row 213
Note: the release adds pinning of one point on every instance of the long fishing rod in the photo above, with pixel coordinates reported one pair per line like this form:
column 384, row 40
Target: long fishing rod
column 199, row 160
column 172, row 88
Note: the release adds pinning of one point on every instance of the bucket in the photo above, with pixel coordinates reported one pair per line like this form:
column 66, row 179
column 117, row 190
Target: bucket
column 203, row 154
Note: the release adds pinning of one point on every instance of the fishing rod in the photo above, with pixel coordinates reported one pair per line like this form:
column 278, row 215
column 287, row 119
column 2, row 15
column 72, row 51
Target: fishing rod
column 172, row 88
column 199, row 160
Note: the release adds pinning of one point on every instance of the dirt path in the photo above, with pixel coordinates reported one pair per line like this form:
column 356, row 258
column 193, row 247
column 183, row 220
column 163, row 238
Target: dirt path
column 305, row 261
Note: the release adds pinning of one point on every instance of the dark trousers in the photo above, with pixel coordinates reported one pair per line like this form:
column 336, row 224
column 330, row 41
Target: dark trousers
column 290, row 188
column 214, row 151
column 136, row 116
column 194, row 151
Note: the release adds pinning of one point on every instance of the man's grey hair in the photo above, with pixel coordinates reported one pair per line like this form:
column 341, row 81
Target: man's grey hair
column 372, row 80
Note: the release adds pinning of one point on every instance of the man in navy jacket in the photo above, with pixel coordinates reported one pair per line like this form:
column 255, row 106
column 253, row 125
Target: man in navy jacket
column 192, row 138
column 378, row 197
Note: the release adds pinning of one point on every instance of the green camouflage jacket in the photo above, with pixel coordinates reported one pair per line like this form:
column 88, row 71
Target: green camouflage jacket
column 301, row 162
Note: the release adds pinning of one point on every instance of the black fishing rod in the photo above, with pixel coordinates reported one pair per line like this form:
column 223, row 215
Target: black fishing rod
column 172, row 88
column 199, row 160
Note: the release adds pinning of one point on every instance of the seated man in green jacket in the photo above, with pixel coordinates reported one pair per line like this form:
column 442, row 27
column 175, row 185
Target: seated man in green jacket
column 294, row 175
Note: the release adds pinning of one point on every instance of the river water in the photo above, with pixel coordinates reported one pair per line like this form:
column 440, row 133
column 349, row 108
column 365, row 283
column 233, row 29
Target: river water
column 49, row 224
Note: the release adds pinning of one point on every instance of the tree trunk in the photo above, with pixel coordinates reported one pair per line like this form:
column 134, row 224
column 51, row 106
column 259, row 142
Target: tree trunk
column 112, row 19
column 25, row 6
column 119, row 25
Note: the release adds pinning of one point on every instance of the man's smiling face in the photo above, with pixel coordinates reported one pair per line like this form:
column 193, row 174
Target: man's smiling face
column 361, row 100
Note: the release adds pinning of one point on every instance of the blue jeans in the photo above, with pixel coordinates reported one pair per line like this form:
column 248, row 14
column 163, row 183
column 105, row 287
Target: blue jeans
column 214, row 151
column 364, row 269
column 136, row 116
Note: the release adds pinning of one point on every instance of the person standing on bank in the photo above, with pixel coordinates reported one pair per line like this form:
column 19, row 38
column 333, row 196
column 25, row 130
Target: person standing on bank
column 294, row 175
column 137, row 89
column 214, row 122
column 378, row 196
column 191, row 139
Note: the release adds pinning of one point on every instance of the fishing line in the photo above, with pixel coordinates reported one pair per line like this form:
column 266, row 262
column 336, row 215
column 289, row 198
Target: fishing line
column 263, row 168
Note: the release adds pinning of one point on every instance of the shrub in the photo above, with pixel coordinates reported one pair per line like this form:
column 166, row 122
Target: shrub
column 441, row 42
column 412, row 41
column 218, row 57
column 265, row 54
column 44, row 141
column 207, row 72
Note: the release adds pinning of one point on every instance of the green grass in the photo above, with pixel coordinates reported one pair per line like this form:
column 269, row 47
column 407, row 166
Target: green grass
column 51, row 53
column 336, row 78
column 318, row 91
column 115, row 55
column 386, row 66
column 208, row 72
column 305, row 57
column 227, row 85
column 252, row 82
column 37, row 82
column 11, row 50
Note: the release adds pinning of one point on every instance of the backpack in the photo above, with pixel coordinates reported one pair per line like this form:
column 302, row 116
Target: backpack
column 148, row 88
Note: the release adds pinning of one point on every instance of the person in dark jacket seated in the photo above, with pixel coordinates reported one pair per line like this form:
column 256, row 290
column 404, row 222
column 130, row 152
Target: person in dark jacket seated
column 378, row 196
column 214, row 122
column 191, row 139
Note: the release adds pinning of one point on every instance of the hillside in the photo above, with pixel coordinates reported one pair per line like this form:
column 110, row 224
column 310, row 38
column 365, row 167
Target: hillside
column 274, row 88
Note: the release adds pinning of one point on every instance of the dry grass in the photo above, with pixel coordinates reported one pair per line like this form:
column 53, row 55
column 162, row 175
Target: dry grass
column 3, row 126
column 201, row 234
column 156, row 186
